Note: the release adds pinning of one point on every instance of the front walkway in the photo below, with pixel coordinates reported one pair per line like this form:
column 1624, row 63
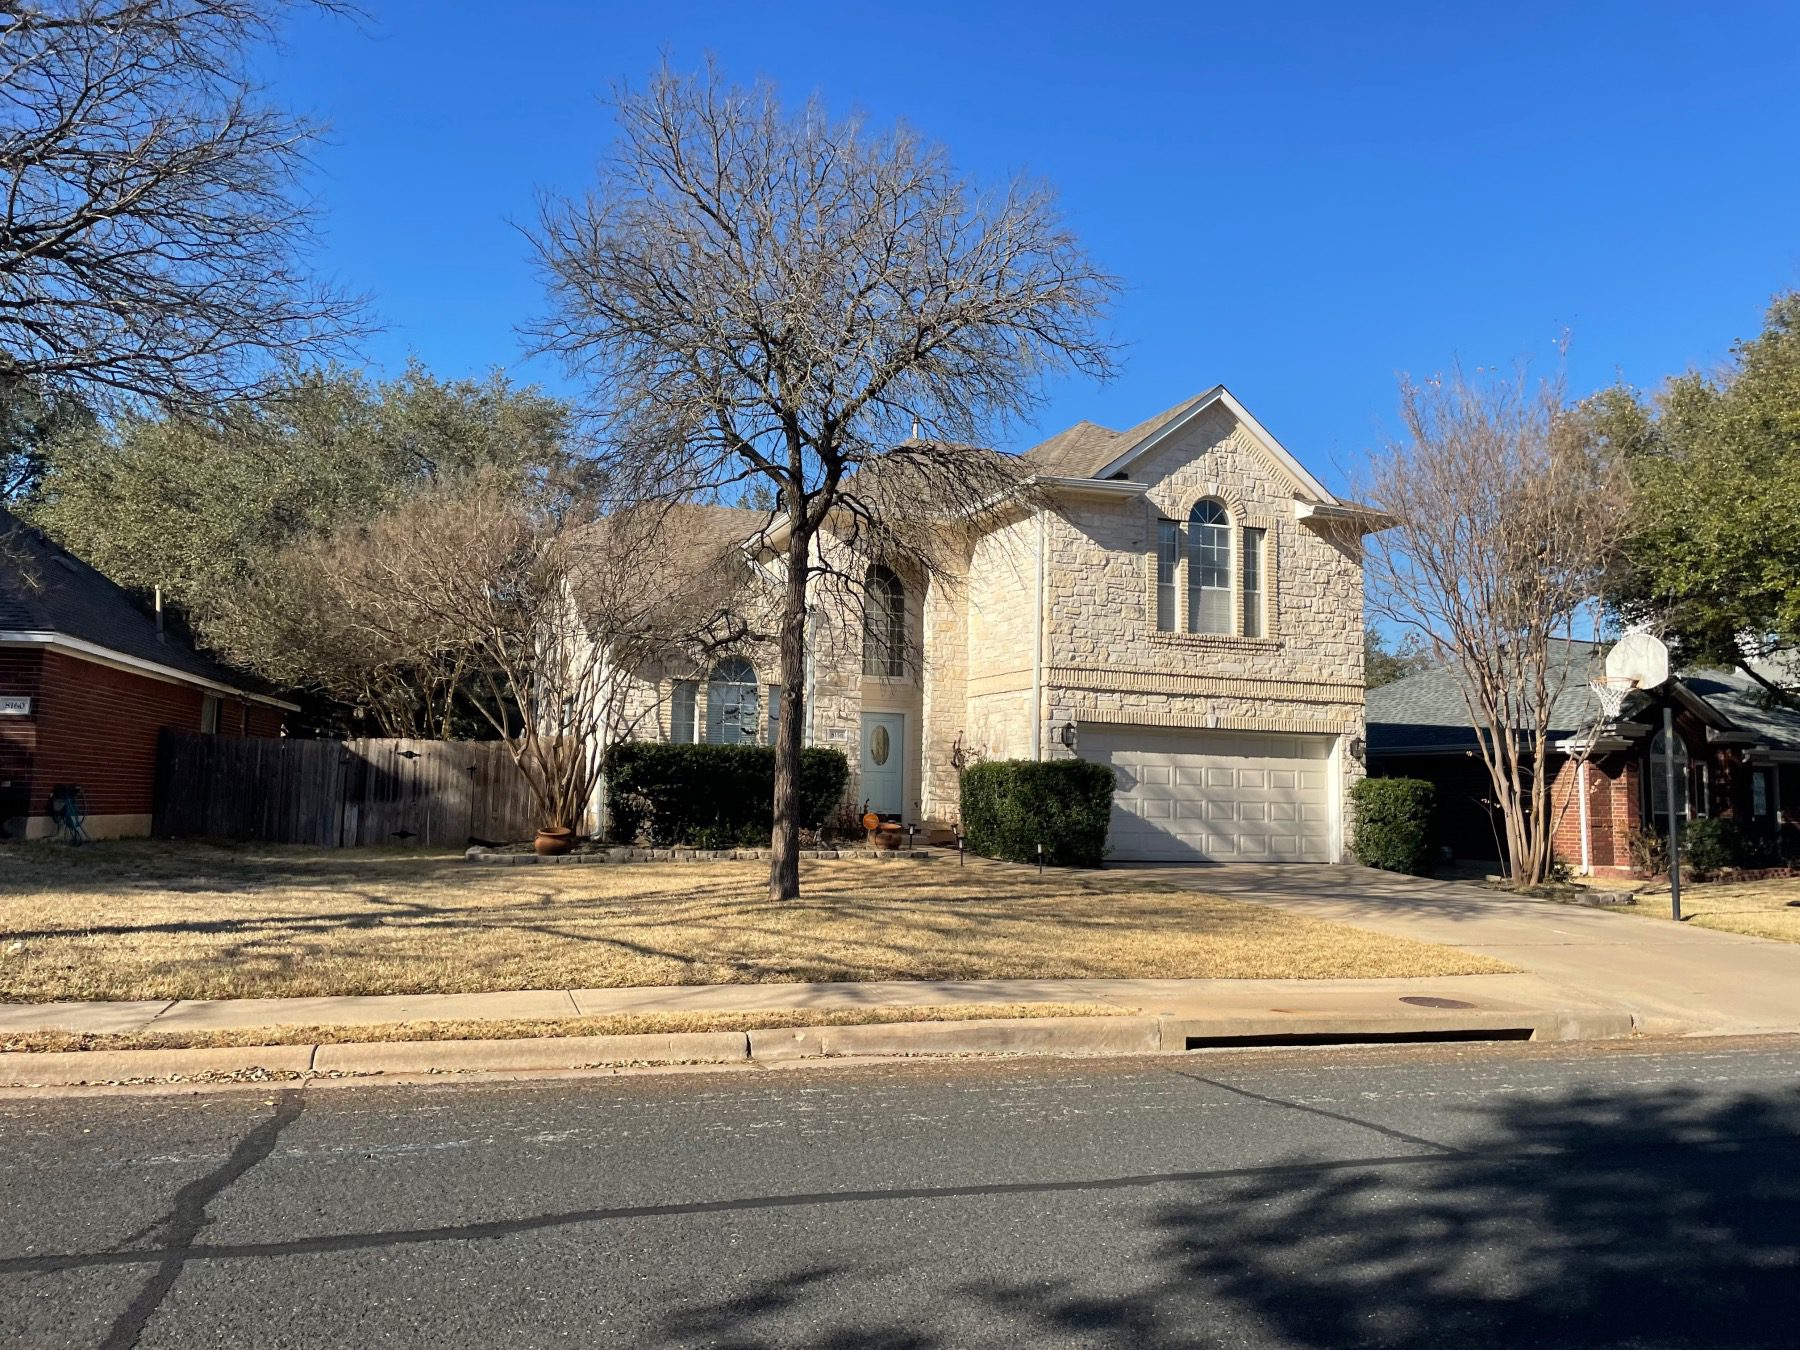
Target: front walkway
column 1673, row 979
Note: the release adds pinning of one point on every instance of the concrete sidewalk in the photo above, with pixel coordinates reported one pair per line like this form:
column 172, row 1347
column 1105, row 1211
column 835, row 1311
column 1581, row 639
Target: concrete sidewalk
column 1674, row 979
column 1209, row 1007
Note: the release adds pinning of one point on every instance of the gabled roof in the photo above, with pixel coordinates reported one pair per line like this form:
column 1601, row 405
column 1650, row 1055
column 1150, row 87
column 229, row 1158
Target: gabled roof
column 1090, row 451
column 47, row 592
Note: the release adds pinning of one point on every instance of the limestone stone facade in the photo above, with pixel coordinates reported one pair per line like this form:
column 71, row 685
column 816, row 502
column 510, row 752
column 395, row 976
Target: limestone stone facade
column 1054, row 626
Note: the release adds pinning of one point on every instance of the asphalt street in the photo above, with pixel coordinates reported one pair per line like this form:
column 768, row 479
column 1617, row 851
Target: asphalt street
column 1609, row 1194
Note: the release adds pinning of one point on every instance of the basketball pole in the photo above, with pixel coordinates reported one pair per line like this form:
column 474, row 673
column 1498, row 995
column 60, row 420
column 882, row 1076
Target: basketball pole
column 1675, row 805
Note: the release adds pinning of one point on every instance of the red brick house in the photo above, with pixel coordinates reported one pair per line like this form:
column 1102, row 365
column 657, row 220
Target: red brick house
column 87, row 680
column 1736, row 754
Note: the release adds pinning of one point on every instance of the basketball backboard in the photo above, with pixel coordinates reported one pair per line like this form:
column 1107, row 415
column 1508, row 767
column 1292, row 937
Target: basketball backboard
column 1643, row 657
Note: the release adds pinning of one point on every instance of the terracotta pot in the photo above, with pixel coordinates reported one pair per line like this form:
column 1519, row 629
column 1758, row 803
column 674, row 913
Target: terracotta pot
column 553, row 840
column 885, row 836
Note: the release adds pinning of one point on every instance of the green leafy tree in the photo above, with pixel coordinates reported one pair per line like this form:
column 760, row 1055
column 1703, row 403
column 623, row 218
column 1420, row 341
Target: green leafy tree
column 31, row 420
column 1713, row 550
column 204, row 507
column 1385, row 661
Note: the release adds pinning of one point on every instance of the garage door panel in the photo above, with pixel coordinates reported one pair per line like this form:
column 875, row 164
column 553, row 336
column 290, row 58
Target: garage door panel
column 1194, row 796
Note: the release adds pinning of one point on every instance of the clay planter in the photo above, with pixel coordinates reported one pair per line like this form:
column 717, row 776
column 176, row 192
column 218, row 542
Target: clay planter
column 885, row 836
column 554, row 840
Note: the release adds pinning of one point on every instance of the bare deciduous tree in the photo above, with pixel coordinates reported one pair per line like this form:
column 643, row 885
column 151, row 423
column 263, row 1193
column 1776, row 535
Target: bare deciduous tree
column 154, row 238
column 528, row 602
column 783, row 300
column 1508, row 513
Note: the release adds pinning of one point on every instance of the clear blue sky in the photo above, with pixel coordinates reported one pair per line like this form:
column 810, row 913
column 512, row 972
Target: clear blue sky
column 1302, row 200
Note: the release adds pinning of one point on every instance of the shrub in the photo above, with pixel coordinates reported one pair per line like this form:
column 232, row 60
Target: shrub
column 712, row 796
column 1710, row 845
column 1393, row 821
column 1010, row 806
column 1649, row 852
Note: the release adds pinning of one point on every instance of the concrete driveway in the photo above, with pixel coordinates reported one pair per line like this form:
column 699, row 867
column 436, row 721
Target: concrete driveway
column 1672, row 979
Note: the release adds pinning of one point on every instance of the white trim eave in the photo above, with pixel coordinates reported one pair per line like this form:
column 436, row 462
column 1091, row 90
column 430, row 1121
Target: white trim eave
column 1111, row 488
column 106, row 656
column 1363, row 519
column 1219, row 394
column 1769, row 754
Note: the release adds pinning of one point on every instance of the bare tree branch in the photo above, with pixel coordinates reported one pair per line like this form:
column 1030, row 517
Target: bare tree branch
column 153, row 238
column 753, row 293
column 1508, row 516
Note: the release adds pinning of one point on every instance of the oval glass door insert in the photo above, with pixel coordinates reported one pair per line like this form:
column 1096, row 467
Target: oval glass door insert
column 878, row 745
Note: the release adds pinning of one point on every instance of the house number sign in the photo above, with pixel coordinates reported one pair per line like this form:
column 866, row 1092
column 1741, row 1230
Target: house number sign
column 15, row 705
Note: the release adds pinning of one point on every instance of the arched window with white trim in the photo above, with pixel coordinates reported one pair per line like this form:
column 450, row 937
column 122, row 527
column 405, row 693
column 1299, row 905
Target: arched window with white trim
column 1659, row 781
column 732, row 709
column 1209, row 568
column 884, row 623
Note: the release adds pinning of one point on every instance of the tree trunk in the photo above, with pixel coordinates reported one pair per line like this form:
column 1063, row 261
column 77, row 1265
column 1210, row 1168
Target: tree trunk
column 784, row 842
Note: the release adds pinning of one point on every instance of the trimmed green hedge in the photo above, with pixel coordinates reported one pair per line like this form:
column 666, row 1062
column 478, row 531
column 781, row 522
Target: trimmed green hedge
column 712, row 796
column 1010, row 806
column 1394, row 824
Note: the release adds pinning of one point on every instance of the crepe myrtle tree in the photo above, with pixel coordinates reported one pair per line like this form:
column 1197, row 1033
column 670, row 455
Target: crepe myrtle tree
column 1508, row 511
column 536, row 605
column 764, row 297
column 155, row 239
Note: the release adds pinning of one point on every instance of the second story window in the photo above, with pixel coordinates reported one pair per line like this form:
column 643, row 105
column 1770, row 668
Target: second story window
column 1209, row 568
column 1253, row 583
column 884, row 623
column 1168, row 563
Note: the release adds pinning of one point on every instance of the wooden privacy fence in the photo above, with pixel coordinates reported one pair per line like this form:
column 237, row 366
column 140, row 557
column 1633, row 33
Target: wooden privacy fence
column 339, row 793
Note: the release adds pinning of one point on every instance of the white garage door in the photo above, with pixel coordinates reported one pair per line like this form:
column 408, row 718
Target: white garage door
column 1216, row 796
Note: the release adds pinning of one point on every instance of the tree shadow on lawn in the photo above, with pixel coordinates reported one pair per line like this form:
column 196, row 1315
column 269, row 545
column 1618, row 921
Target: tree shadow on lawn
column 1659, row 1218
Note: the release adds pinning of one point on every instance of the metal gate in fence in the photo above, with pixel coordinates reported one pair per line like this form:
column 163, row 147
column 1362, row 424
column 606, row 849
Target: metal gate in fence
column 339, row 793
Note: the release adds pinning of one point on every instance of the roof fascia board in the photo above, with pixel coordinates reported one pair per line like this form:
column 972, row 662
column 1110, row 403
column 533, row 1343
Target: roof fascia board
column 1093, row 487
column 1219, row 394
column 106, row 656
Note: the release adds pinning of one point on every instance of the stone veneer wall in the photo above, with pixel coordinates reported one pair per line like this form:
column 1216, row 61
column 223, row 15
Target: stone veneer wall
column 1002, row 642
column 944, row 626
column 1105, row 661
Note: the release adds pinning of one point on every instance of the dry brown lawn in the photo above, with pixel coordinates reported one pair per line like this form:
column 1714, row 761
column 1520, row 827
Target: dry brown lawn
column 141, row 920
column 516, row 1029
column 1764, row 909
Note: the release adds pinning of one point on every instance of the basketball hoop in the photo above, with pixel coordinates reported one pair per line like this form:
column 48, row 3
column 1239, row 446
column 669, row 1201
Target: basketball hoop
column 1611, row 690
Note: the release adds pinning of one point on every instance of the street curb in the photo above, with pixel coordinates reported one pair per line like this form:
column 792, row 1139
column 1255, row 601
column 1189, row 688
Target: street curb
column 548, row 1052
column 61, row 1068
column 990, row 1036
column 1130, row 1035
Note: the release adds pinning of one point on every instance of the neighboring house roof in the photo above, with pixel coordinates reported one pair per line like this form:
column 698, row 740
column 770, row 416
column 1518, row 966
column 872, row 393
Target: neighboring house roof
column 1424, row 713
column 47, row 593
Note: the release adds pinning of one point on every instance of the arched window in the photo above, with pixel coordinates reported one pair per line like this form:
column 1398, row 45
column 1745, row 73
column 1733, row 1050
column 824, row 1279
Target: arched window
column 1659, row 780
column 884, row 623
column 731, row 703
column 1209, row 568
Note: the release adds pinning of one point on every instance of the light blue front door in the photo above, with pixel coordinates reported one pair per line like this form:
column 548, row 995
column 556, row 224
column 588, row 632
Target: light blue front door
column 883, row 758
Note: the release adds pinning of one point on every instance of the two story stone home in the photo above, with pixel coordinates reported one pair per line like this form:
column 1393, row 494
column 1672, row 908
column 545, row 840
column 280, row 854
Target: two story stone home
column 1181, row 602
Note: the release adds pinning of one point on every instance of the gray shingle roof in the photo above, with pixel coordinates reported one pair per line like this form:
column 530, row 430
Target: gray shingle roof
column 1425, row 712
column 44, row 589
